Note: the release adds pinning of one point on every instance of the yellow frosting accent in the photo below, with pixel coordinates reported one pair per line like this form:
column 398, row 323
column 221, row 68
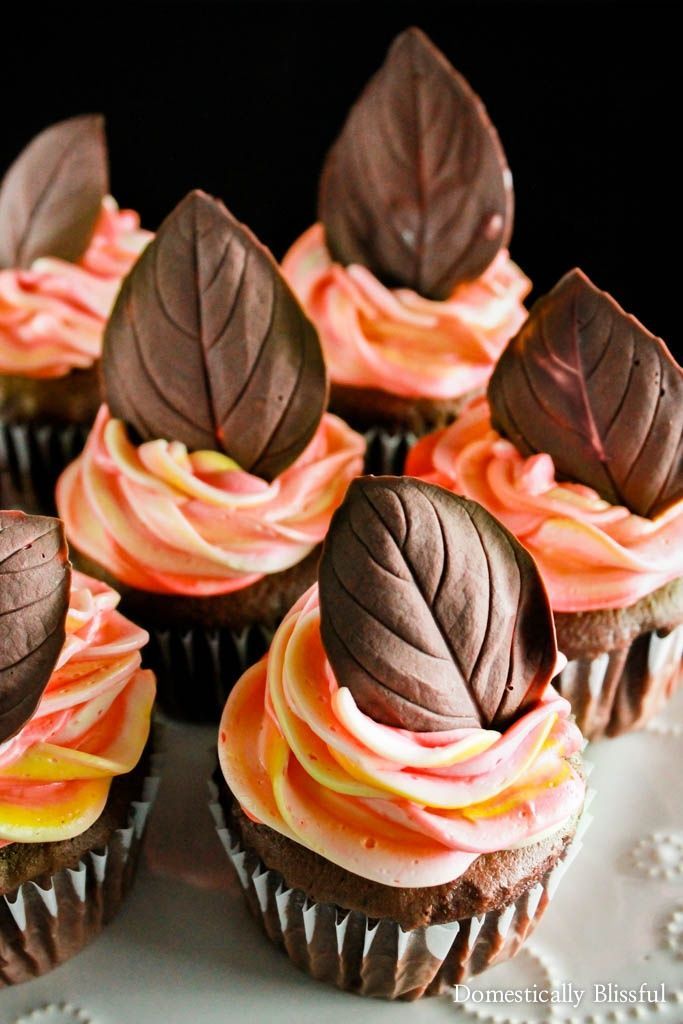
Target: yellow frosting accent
column 213, row 462
column 91, row 724
column 48, row 762
column 72, row 813
column 311, row 752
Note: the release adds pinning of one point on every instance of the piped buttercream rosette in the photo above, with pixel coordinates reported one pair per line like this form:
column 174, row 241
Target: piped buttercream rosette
column 592, row 554
column 407, row 274
column 52, row 314
column 398, row 341
column 394, row 806
column 91, row 724
column 169, row 520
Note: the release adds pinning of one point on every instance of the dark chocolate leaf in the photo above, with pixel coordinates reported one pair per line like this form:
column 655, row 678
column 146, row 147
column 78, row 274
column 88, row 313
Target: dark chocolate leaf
column 50, row 197
column 207, row 345
column 35, row 579
column 416, row 187
column 432, row 613
column 588, row 384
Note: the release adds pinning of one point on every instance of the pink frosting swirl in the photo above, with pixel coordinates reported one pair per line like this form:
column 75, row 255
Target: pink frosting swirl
column 167, row 520
column 396, row 340
column 398, row 807
column 591, row 554
column 52, row 315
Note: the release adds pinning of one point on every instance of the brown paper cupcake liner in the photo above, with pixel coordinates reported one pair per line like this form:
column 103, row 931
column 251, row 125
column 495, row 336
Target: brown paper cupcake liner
column 32, row 456
column 196, row 668
column 377, row 957
column 621, row 689
column 46, row 921
column 387, row 450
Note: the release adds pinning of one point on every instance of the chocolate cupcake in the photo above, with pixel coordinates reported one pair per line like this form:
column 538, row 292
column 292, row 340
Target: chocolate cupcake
column 211, row 474
column 64, row 248
column 579, row 451
column 407, row 275
column 75, row 787
column 400, row 785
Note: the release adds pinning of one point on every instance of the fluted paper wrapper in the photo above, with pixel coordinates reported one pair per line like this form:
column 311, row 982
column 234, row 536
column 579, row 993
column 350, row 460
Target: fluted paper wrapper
column 621, row 690
column 388, row 444
column 377, row 957
column 197, row 668
column 386, row 450
column 32, row 456
column 46, row 921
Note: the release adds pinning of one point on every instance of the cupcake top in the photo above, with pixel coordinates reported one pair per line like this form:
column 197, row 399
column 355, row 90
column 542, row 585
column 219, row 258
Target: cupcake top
column 75, row 707
column 407, row 273
column 578, row 450
column 403, row 722
column 213, row 462
column 64, row 247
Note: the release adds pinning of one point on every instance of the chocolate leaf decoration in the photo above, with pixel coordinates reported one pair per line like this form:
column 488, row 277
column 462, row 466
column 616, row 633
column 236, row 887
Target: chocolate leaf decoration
column 50, row 197
column 587, row 383
column 207, row 345
column 416, row 187
column 35, row 579
column 432, row 613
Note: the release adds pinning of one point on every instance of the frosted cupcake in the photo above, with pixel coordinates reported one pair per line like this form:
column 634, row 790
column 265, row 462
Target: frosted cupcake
column 211, row 474
column 75, row 711
column 400, row 785
column 579, row 452
column 407, row 275
column 64, row 248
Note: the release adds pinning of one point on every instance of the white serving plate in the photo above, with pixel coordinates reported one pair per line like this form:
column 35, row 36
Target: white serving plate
column 184, row 949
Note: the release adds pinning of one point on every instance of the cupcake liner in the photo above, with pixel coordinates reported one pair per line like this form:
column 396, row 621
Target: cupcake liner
column 621, row 689
column 387, row 450
column 196, row 668
column 46, row 921
column 377, row 957
column 32, row 456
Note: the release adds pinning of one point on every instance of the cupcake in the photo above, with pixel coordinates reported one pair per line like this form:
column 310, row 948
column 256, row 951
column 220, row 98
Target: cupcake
column 211, row 474
column 64, row 248
column 578, row 450
column 75, row 711
column 400, row 785
column 406, row 275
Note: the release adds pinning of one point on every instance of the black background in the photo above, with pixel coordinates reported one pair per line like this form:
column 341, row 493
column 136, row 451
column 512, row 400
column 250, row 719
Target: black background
column 243, row 99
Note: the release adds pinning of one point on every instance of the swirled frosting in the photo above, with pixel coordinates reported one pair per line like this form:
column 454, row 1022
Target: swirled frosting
column 591, row 554
column 398, row 807
column 52, row 316
column 167, row 520
column 396, row 340
column 91, row 724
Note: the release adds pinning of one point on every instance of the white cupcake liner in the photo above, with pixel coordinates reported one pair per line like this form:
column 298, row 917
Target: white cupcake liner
column 196, row 668
column 377, row 957
column 386, row 450
column 619, row 690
